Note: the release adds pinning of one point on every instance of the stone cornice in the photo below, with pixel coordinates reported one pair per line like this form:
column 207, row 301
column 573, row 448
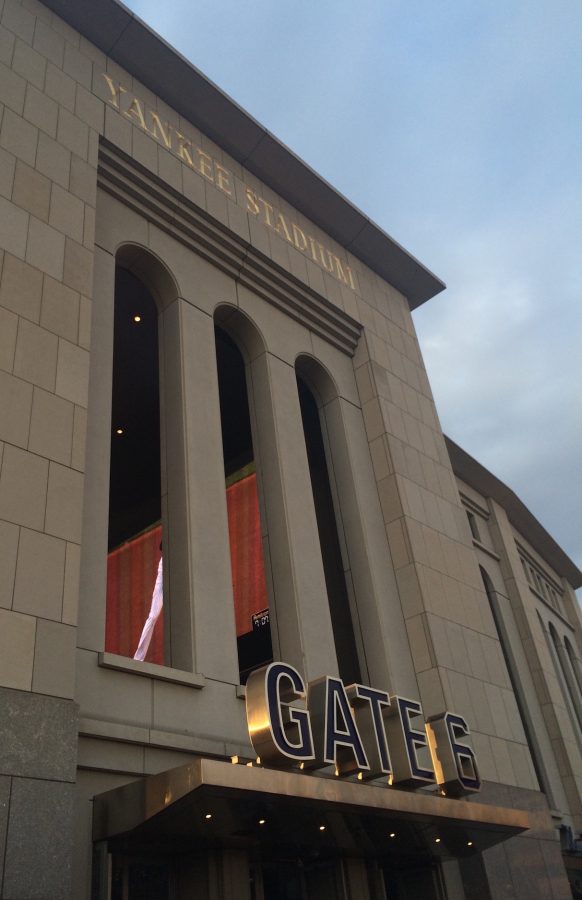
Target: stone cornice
column 158, row 203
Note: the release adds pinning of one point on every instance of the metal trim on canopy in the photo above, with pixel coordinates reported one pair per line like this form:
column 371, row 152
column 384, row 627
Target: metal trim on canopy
column 217, row 802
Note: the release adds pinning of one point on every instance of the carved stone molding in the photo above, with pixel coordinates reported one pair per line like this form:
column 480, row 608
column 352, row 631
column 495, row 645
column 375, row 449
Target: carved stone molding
column 158, row 203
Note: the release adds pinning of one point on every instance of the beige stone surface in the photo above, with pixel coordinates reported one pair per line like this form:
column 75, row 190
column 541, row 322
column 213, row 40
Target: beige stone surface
column 48, row 42
column 18, row 137
column 53, row 160
column 21, row 288
column 71, row 584
column 45, row 248
column 23, row 485
column 72, row 374
column 12, row 90
column 18, row 20
column 60, row 309
column 13, row 228
column 51, row 427
column 66, row 213
column 78, row 267
column 7, row 41
column 31, row 191
column 38, row 588
column 201, row 562
column 17, row 636
column 79, row 438
column 97, row 686
column 64, row 503
column 59, row 86
column 72, row 133
column 9, row 535
column 29, row 64
column 8, row 331
column 82, row 182
column 15, row 406
column 36, row 355
column 7, row 170
column 54, row 659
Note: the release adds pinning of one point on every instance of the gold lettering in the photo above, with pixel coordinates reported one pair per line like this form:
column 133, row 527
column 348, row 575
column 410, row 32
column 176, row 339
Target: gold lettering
column 339, row 270
column 183, row 149
column 322, row 251
column 252, row 205
column 299, row 238
column 219, row 175
column 268, row 210
column 223, row 179
column 313, row 250
column 281, row 228
column 158, row 130
column 205, row 164
column 116, row 91
column 135, row 111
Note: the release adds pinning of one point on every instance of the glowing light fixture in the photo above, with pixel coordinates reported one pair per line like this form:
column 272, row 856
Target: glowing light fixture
column 437, row 840
column 137, row 318
column 322, row 827
column 119, row 431
column 208, row 816
column 392, row 834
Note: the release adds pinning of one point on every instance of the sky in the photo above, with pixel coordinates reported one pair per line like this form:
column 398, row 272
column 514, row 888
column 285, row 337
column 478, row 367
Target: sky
column 456, row 126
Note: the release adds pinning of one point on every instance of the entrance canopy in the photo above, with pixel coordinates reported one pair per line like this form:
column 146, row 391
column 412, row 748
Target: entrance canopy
column 213, row 803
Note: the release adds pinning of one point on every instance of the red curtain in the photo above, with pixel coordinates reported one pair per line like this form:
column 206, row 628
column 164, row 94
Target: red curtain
column 131, row 575
column 132, row 570
column 246, row 552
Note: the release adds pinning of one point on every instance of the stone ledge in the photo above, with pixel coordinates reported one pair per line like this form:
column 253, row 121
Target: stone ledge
column 150, row 670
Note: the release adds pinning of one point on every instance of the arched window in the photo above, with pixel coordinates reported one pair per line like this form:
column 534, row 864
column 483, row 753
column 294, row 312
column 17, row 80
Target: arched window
column 567, row 679
column 251, row 601
column 574, row 662
column 134, row 577
column 329, row 532
column 515, row 680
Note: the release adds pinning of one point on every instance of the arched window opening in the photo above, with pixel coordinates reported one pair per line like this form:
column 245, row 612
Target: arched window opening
column 335, row 578
column 574, row 663
column 251, row 601
column 514, row 679
column 134, row 576
column 567, row 680
column 473, row 526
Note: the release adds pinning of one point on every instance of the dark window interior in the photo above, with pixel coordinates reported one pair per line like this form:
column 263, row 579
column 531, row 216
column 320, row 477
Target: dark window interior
column 473, row 526
column 513, row 678
column 337, row 593
column 134, row 483
column 254, row 634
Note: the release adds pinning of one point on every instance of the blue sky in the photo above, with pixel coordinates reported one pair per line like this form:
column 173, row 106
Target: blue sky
column 457, row 127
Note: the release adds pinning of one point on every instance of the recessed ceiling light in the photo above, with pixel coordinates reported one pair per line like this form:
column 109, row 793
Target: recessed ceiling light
column 392, row 834
column 437, row 840
column 208, row 816
column 469, row 843
column 137, row 318
column 119, row 431
column 262, row 821
column 322, row 827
